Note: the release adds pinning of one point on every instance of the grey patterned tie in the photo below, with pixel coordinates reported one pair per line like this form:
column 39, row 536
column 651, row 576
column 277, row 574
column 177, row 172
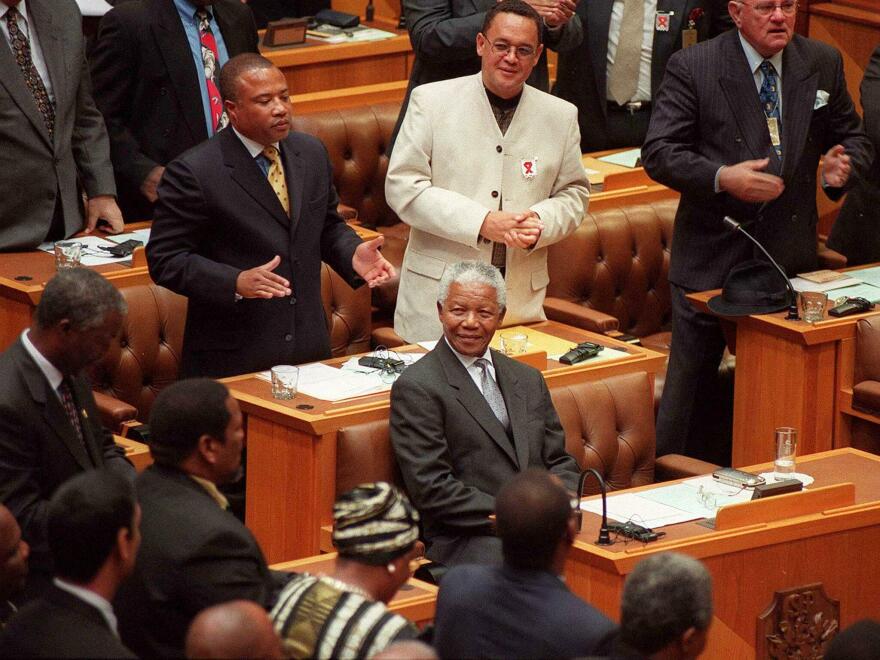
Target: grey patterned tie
column 492, row 393
column 623, row 79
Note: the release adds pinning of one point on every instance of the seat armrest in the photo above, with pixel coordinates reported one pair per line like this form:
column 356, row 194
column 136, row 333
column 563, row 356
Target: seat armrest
column 113, row 411
column 677, row 466
column 580, row 316
column 385, row 336
column 829, row 258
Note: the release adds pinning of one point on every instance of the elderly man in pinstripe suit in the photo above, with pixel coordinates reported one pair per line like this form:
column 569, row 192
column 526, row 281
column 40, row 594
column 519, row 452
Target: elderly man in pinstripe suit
column 738, row 127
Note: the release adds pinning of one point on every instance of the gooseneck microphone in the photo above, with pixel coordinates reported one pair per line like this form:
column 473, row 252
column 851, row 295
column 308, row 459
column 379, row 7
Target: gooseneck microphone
column 604, row 536
column 792, row 294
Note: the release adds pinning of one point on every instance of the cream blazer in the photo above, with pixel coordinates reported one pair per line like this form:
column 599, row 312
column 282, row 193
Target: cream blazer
column 451, row 166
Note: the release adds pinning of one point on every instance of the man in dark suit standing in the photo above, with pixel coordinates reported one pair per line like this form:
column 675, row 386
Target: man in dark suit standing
column 242, row 224
column 738, row 127
column 149, row 67
column 94, row 535
column 615, row 72
column 521, row 609
column 50, row 428
column 53, row 137
column 465, row 419
column 194, row 553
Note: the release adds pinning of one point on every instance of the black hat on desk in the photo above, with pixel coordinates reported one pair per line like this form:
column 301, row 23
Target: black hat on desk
column 751, row 287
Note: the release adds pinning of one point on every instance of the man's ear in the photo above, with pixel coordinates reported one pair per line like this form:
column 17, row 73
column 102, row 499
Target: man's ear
column 482, row 44
column 692, row 642
column 207, row 448
column 735, row 11
column 501, row 315
column 123, row 543
column 439, row 308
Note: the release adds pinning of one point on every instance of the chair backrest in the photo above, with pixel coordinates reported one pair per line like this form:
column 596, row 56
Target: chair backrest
column 356, row 140
column 622, row 265
column 146, row 356
column 348, row 314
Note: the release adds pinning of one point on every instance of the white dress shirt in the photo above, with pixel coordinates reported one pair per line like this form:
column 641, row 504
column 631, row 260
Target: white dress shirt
column 50, row 371
column 36, row 51
column 474, row 370
column 91, row 598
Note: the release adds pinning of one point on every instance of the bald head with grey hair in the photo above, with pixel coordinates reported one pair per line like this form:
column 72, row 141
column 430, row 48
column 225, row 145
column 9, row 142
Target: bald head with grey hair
column 667, row 604
column 473, row 272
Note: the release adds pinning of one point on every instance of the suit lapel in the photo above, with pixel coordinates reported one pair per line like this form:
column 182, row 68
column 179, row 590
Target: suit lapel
column 738, row 85
column 53, row 411
column 516, row 409
column 664, row 41
column 174, row 46
column 13, row 81
column 294, row 176
column 598, row 21
column 235, row 43
column 472, row 399
column 247, row 174
column 799, row 87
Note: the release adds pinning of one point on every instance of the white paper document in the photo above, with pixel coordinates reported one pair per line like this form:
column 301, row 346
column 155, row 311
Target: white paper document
column 800, row 284
column 330, row 384
column 92, row 254
column 633, row 507
column 628, row 158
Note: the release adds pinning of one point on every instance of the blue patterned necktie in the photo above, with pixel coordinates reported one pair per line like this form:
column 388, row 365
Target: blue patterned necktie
column 769, row 96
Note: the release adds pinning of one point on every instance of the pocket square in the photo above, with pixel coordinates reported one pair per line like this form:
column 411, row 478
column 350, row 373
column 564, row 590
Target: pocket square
column 821, row 99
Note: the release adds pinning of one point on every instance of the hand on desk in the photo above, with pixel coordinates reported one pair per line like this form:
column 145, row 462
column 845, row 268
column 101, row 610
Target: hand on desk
column 836, row 167
column 103, row 207
column 747, row 181
column 261, row 282
column 515, row 230
column 369, row 263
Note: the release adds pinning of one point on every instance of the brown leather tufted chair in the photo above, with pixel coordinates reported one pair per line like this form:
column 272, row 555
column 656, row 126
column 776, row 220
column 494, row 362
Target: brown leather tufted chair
column 866, row 385
column 147, row 356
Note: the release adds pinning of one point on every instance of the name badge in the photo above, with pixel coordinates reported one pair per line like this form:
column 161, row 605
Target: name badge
column 661, row 20
column 688, row 37
column 529, row 168
column 773, row 127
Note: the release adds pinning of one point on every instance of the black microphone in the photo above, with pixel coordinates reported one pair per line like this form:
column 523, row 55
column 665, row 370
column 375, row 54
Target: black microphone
column 792, row 294
column 604, row 536
column 370, row 11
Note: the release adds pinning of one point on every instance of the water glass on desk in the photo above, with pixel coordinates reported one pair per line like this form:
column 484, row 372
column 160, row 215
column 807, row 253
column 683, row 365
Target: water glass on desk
column 284, row 380
column 513, row 342
column 68, row 254
column 786, row 450
column 813, row 305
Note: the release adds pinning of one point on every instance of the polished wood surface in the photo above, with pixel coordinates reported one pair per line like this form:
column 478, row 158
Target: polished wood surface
column 787, row 375
column 416, row 600
column 748, row 563
column 291, row 472
column 349, row 97
column 137, row 452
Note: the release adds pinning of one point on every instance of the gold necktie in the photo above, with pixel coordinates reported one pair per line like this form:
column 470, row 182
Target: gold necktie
column 623, row 79
column 276, row 177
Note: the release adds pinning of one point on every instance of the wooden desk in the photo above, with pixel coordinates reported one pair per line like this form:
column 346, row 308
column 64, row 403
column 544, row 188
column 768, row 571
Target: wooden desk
column 748, row 564
column 416, row 600
column 137, row 452
column 291, row 471
column 787, row 374
column 23, row 276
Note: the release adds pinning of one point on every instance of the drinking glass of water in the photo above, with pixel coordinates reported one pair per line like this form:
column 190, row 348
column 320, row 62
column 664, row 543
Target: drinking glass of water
column 786, row 450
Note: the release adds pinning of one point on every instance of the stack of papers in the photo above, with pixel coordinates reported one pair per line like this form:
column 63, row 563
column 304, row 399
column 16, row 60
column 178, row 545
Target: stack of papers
column 92, row 254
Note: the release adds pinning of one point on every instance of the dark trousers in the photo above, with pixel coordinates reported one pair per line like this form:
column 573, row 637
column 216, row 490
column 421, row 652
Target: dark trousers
column 625, row 129
column 695, row 411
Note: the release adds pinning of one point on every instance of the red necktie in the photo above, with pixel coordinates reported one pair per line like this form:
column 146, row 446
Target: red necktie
column 210, row 59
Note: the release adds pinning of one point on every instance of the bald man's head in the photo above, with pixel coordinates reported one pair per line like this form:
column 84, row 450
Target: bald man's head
column 237, row 629
column 13, row 556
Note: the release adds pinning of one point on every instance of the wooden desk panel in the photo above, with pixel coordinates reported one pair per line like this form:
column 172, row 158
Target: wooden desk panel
column 748, row 564
column 291, row 472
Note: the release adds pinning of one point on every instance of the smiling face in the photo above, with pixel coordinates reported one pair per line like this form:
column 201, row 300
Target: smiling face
column 767, row 34
column 470, row 315
column 261, row 110
column 505, row 73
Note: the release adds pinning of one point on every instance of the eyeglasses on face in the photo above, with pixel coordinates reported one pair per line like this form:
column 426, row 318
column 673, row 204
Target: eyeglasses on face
column 503, row 48
column 767, row 8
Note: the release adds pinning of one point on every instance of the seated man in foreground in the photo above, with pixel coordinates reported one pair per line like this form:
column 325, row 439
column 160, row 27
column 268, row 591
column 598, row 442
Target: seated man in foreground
column 465, row 419
column 194, row 552
column 522, row 609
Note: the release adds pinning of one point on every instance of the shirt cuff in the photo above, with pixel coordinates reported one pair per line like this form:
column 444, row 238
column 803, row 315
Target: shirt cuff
column 717, row 178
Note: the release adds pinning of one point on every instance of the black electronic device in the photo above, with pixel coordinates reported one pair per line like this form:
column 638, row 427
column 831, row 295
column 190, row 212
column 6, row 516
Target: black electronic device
column 338, row 19
column 792, row 294
column 777, row 488
column 581, row 352
column 122, row 249
column 851, row 306
column 385, row 364
column 733, row 477
column 635, row 531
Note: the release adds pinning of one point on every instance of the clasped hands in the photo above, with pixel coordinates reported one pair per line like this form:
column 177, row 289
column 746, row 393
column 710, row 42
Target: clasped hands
column 749, row 182
column 515, row 230
column 554, row 12
column 262, row 282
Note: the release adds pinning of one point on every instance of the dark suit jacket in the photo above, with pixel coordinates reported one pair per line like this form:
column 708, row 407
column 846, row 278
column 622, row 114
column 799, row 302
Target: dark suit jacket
column 455, row 455
column 60, row 625
column 582, row 72
column 147, row 87
column 39, row 449
column 708, row 114
column 39, row 172
column 193, row 555
column 855, row 231
column 503, row 612
column 217, row 215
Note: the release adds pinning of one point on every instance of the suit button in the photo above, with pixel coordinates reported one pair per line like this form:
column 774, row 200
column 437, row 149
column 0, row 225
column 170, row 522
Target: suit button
column 737, row 139
column 292, row 300
column 163, row 91
column 494, row 193
column 499, row 149
column 794, row 217
column 288, row 337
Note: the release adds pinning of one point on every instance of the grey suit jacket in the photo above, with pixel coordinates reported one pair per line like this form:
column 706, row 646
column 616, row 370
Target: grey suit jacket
column 455, row 455
column 707, row 114
column 39, row 172
column 582, row 71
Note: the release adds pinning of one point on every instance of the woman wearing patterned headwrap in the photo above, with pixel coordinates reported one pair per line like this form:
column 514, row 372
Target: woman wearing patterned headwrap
column 344, row 615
